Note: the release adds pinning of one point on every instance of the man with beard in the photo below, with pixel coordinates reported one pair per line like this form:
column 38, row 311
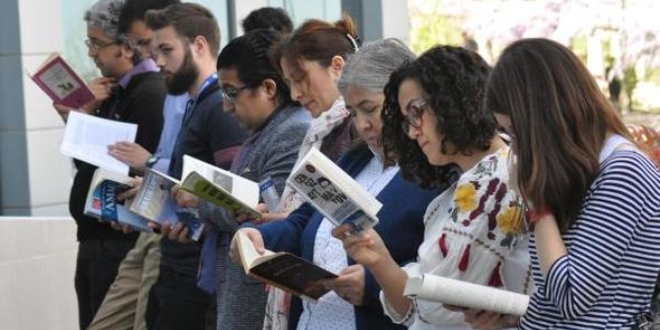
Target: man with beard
column 125, row 304
column 186, row 41
column 129, row 92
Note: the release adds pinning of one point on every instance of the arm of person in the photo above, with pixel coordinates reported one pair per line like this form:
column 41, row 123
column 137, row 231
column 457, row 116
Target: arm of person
column 131, row 154
column 286, row 235
column 486, row 320
column 369, row 250
column 615, row 210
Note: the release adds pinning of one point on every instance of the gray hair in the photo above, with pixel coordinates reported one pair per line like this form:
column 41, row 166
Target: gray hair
column 371, row 66
column 104, row 15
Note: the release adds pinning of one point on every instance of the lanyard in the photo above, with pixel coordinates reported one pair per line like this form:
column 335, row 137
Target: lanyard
column 190, row 106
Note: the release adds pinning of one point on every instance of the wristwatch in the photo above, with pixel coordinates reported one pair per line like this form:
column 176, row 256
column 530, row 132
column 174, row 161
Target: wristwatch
column 151, row 161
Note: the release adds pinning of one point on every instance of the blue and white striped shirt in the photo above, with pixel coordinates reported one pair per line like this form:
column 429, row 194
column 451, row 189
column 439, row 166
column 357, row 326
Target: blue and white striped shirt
column 613, row 256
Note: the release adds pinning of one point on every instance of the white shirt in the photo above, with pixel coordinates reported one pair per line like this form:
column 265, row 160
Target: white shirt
column 332, row 312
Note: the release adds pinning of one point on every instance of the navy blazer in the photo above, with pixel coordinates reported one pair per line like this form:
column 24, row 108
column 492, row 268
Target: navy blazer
column 401, row 226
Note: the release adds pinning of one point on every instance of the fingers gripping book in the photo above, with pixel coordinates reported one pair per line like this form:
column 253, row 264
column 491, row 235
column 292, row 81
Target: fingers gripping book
column 154, row 202
column 102, row 202
column 283, row 270
column 459, row 293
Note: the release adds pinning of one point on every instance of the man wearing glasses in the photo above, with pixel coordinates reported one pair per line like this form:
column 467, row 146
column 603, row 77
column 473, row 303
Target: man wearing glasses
column 126, row 302
column 130, row 91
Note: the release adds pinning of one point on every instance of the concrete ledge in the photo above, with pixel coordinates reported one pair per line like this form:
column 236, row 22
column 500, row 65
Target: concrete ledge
column 37, row 263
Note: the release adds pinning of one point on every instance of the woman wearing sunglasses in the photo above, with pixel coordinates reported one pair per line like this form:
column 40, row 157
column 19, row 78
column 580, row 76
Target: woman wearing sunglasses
column 433, row 118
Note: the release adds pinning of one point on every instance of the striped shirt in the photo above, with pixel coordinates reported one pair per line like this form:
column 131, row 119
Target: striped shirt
column 613, row 257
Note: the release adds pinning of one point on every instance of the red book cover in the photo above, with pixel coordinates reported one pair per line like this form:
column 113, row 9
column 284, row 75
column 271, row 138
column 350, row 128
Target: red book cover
column 61, row 83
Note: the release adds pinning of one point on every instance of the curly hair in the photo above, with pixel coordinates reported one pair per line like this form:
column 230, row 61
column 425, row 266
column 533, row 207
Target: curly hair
column 453, row 80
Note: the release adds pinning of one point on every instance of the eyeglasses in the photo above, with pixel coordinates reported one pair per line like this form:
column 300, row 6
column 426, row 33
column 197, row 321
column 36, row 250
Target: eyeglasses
column 142, row 43
column 413, row 117
column 95, row 44
column 230, row 94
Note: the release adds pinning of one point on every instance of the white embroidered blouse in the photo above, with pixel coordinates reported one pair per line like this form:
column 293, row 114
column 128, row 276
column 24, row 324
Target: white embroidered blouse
column 471, row 230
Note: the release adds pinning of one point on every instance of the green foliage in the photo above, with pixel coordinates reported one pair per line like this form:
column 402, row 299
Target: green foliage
column 431, row 29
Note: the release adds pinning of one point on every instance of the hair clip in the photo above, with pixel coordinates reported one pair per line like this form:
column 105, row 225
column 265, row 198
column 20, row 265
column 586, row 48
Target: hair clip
column 353, row 41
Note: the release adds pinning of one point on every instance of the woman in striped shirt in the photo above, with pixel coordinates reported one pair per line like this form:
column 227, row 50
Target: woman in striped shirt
column 594, row 197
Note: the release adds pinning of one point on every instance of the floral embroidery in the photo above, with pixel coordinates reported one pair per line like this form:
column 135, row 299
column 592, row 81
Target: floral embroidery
column 466, row 197
column 511, row 221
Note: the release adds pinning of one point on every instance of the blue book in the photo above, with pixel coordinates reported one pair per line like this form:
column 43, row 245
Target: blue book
column 154, row 202
column 102, row 201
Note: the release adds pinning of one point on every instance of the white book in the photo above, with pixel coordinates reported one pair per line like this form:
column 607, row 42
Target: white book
column 459, row 293
column 87, row 138
column 333, row 192
column 220, row 187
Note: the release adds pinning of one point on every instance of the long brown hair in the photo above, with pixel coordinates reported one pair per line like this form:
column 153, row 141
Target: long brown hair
column 560, row 120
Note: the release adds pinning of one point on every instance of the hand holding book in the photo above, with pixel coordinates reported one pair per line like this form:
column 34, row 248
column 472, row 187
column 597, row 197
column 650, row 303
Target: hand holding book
column 486, row 320
column 283, row 270
column 366, row 248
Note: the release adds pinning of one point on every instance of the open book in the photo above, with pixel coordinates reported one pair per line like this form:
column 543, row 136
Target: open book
column 333, row 192
column 220, row 187
column 283, row 270
column 458, row 293
column 154, row 202
column 62, row 84
column 102, row 203
column 87, row 138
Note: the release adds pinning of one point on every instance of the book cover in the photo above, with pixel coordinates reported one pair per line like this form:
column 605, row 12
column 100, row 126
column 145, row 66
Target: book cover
column 459, row 293
column 63, row 85
column 154, row 202
column 333, row 192
column 102, row 201
column 220, row 187
column 284, row 270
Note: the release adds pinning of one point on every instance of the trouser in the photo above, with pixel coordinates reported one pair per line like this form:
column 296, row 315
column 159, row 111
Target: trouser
column 96, row 267
column 125, row 304
column 176, row 303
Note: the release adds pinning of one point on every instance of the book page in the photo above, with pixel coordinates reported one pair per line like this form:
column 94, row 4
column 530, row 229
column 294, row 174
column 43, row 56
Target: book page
column 87, row 138
column 454, row 292
column 247, row 251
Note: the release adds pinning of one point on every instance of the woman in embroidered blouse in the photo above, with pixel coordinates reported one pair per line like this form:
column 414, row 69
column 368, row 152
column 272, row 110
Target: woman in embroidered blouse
column 354, row 303
column 434, row 117
column 595, row 245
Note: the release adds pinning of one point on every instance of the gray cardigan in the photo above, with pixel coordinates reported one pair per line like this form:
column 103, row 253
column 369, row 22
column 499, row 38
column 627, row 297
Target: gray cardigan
column 272, row 152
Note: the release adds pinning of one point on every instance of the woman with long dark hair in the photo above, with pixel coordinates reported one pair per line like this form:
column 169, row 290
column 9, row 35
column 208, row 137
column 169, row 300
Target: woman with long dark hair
column 594, row 196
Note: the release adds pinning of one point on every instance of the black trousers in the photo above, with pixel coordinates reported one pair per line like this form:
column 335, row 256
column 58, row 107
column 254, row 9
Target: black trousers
column 176, row 303
column 96, row 268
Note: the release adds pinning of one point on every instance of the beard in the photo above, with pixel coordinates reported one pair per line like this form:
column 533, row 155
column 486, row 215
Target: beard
column 180, row 81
